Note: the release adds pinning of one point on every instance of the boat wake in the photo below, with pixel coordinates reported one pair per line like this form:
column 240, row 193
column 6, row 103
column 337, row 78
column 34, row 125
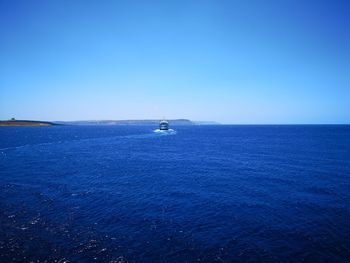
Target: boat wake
column 165, row 132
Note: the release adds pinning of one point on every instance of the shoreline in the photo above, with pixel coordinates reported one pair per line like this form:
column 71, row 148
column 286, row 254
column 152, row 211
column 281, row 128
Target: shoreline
column 25, row 123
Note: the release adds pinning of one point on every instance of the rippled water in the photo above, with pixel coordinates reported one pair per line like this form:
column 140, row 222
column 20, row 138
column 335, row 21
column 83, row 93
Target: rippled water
column 203, row 193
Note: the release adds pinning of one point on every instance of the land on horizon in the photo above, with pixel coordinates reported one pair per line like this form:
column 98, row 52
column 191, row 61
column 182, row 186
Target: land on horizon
column 175, row 122
column 26, row 123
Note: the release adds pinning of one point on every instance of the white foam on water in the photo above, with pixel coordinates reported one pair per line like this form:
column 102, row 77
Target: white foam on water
column 165, row 132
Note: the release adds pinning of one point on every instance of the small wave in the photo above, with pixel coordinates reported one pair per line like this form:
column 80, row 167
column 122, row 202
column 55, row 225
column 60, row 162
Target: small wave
column 133, row 136
column 165, row 132
column 30, row 145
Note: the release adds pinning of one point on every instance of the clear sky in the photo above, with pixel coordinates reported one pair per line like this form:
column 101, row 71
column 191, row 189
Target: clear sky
column 229, row 61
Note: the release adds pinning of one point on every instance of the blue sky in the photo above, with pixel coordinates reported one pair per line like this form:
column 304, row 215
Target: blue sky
column 229, row 61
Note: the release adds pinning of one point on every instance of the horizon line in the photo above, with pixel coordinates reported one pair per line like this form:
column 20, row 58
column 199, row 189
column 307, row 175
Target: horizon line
column 185, row 119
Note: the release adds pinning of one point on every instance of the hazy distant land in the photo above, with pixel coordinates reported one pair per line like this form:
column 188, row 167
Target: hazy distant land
column 152, row 122
column 126, row 122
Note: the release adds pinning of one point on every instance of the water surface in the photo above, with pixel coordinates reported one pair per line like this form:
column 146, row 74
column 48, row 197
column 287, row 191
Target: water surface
column 202, row 194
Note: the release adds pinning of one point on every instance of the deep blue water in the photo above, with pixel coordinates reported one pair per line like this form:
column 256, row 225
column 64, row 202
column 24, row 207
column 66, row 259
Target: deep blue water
column 204, row 194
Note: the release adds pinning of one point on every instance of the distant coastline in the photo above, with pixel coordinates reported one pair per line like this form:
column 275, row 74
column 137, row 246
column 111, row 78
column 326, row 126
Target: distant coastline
column 151, row 122
column 126, row 122
column 26, row 123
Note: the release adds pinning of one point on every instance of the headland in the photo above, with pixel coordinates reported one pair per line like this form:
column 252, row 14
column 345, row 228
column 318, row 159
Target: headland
column 26, row 123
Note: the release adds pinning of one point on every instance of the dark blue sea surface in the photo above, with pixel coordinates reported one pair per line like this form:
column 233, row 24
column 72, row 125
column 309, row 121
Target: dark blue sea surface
column 200, row 194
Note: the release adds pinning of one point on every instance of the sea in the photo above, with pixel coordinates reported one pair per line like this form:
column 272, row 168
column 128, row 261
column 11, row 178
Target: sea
column 218, row 193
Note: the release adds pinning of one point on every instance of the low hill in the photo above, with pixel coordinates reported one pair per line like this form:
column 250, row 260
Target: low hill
column 25, row 123
column 127, row 122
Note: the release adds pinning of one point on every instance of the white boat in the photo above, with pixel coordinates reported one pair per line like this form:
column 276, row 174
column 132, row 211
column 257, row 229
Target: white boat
column 163, row 125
